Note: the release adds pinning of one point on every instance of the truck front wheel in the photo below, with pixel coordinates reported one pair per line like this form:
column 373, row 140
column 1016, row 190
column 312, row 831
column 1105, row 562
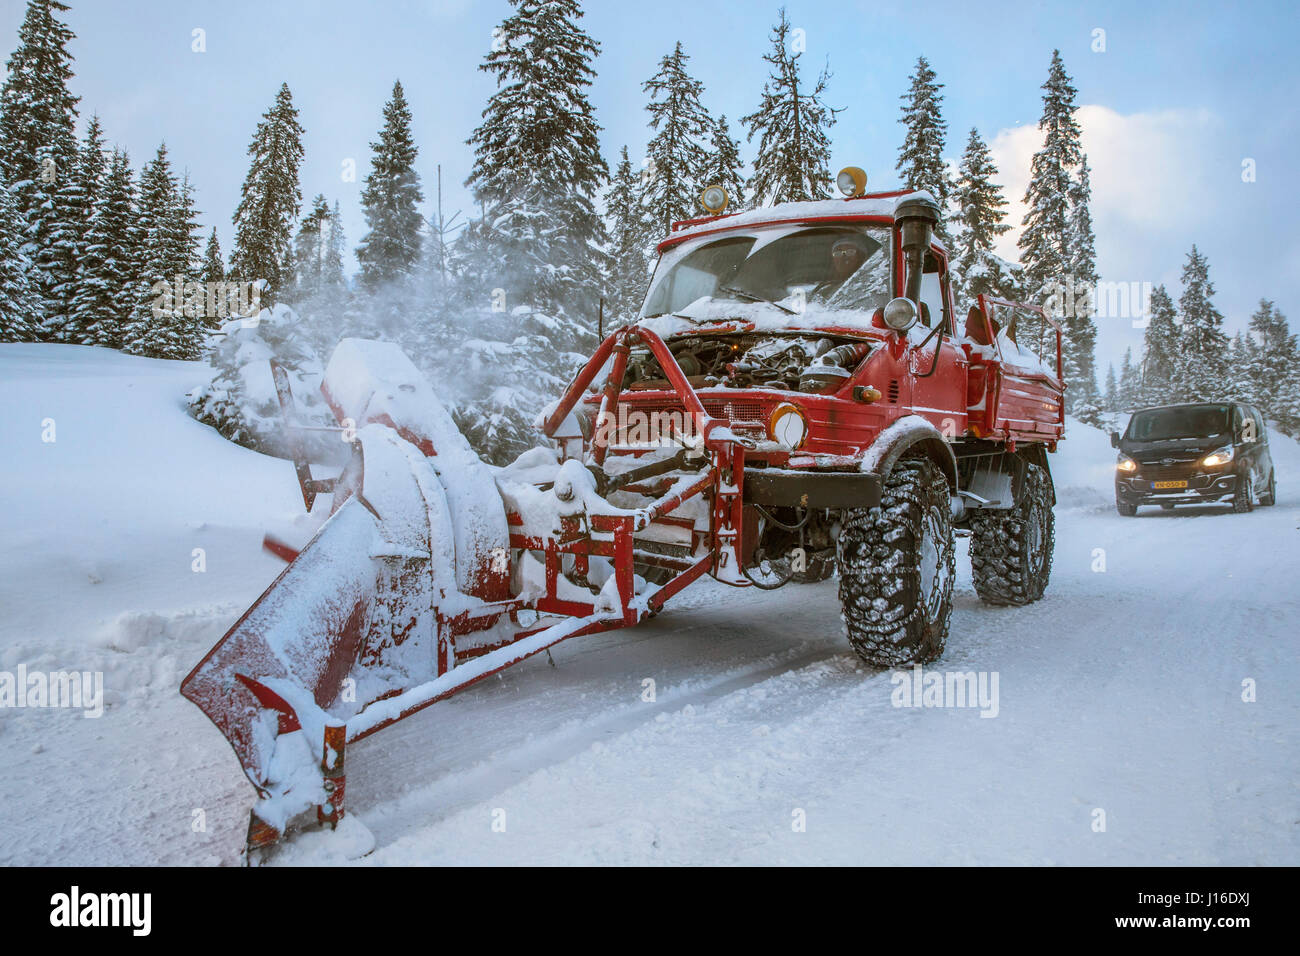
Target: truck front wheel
column 896, row 568
column 1011, row 551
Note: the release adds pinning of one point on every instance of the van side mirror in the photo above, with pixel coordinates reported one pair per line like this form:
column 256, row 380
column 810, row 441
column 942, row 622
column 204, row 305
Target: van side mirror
column 1114, row 439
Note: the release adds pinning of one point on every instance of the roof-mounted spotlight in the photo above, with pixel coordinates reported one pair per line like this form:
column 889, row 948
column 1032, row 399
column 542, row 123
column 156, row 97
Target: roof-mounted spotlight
column 714, row 199
column 851, row 181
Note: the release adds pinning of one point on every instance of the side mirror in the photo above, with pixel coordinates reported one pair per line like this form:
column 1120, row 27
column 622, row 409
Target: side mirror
column 1114, row 439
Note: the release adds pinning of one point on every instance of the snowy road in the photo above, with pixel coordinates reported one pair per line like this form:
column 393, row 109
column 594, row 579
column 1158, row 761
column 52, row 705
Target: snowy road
column 1120, row 692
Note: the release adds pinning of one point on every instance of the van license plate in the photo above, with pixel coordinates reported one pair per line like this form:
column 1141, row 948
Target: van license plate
column 1158, row 485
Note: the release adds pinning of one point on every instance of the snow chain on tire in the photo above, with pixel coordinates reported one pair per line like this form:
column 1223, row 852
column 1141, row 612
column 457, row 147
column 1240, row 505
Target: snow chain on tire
column 887, row 557
column 1011, row 551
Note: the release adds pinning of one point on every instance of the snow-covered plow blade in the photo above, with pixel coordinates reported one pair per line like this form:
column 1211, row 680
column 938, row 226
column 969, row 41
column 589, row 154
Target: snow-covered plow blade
column 434, row 571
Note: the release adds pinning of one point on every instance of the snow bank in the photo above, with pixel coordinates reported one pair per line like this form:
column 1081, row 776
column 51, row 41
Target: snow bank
column 1083, row 468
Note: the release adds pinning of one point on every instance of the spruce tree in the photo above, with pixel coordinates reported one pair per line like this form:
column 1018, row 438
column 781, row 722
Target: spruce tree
column 723, row 165
column 270, row 198
column 1129, row 383
column 791, row 122
column 1241, row 360
column 1160, row 350
column 103, row 302
column 1202, row 344
column 38, row 151
column 309, row 251
column 978, row 221
column 1080, row 325
column 676, row 154
column 389, row 251
column 1274, row 360
column 332, row 278
column 1110, row 398
column 159, row 326
column 79, row 196
column 19, row 300
column 629, row 263
column 920, row 159
column 213, row 268
column 538, row 167
column 1053, row 227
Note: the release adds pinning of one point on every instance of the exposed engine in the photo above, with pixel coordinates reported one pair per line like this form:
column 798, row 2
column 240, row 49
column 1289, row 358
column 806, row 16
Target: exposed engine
column 809, row 363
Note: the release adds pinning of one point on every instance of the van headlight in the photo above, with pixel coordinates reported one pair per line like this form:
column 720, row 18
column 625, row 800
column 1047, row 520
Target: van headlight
column 1219, row 457
column 788, row 425
column 1126, row 464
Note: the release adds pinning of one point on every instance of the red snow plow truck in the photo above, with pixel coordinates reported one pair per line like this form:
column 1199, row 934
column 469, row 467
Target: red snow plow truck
column 797, row 398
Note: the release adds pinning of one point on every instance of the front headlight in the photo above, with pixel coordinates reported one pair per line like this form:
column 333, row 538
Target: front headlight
column 1220, row 457
column 788, row 425
column 1126, row 464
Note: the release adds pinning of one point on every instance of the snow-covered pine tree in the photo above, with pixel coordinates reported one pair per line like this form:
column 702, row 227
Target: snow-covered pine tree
column 390, row 201
column 240, row 400
column 978, row 220
column 676, row 156
column 1050, row 228
column 538, row 168
column 103, row 303
column 78, row 196
column 270, row 199
column 723, row 165
column 1130, row 383
column 332, row 277
column 1160, row 349
column 158, row 326
column 1110, row 398
column 1080, row 326
column 38, row 150
column 19, row 301
column 1241, row 360
column 629, row 271
column 213, row 268
column 920, row 158
column 1275, row 366
column 184, row 226
column 309, row 251
column 791, row 123
column 1203, row 346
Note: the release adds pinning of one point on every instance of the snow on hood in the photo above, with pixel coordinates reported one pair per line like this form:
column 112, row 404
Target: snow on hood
column 707, row 314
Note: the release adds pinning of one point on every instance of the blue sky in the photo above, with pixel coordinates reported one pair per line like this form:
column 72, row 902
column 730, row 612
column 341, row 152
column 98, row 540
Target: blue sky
column 1182, row 94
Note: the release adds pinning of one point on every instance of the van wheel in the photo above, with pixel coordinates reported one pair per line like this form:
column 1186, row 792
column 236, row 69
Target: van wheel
column 896, row 567
column 1011, row 551
column 1125, row 509
column 1269, row 495
column 1244, row 500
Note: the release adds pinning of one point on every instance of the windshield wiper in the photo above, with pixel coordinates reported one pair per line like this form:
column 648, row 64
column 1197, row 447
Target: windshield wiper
column 754, row 298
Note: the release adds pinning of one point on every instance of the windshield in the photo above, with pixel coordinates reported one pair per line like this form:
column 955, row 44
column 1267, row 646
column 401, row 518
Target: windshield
column 840, row 267
column 1195, row 421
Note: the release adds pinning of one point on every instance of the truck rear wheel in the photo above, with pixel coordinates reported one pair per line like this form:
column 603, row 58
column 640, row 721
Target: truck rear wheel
column 896, row 568
column 1011, row 551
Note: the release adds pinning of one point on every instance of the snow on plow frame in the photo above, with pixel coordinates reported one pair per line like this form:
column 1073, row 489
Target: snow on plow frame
column 268, row 683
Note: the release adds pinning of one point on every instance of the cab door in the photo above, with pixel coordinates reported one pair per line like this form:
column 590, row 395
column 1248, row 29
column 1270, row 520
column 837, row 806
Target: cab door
column 938, row 369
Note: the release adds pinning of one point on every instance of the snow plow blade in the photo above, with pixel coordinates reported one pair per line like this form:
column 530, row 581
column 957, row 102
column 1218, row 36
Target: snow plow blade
column 296, row 644
column 436, row 571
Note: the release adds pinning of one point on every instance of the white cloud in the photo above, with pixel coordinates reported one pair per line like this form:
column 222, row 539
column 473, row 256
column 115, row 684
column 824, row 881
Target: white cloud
column 1158, row 182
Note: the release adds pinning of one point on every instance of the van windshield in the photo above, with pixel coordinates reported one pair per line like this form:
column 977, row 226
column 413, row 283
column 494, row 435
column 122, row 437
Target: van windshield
column 1195, row 421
